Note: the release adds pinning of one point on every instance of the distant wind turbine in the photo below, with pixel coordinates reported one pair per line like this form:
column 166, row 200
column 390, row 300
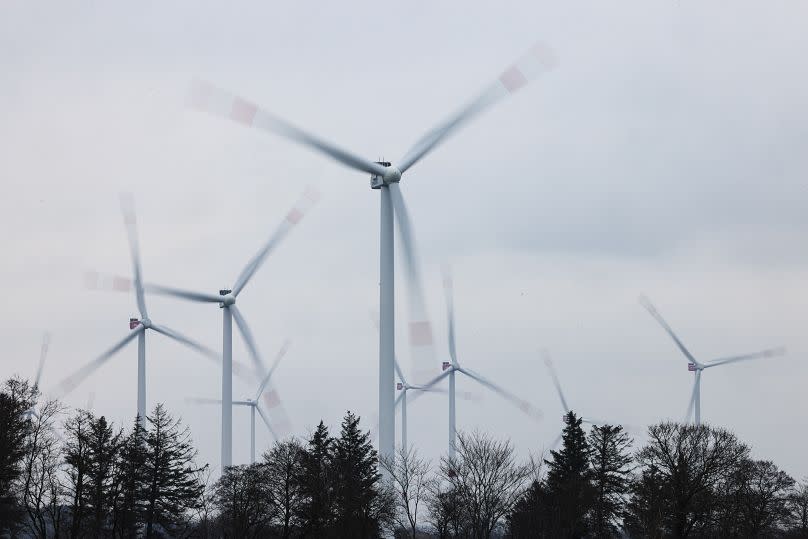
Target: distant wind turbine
column 137, row 327
column 694, row 406
column 272, row 400
column 453, row 366
column 43, row 353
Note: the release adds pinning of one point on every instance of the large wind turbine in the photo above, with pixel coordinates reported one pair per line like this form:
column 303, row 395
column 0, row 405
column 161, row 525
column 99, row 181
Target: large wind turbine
column 272, row 400
column 693, row 365
column 226, row 300
column 137, row 327
column 453, row 366
column 386, row 178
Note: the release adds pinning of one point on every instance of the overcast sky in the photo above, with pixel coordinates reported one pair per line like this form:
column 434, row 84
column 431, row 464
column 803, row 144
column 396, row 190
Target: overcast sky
column 665, row 155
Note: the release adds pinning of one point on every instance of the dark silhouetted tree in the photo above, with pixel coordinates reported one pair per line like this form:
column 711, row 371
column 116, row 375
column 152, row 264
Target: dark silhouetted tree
column 611, row 466
column 647, row 507
column 284, row 466
column 693, row 461
column 317, row 483
column 77, row 459
column 357, row 492
column 16, row 396
column 129, row 485
column 104, row 445
column 172, row 486
column 568, row 481
column 244, row 502
column 411, row 482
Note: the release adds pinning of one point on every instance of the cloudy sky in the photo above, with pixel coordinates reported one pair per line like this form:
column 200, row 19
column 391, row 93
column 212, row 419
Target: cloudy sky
column 665, row 155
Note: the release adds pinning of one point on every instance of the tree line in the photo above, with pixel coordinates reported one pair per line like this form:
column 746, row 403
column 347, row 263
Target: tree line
column 85, row 477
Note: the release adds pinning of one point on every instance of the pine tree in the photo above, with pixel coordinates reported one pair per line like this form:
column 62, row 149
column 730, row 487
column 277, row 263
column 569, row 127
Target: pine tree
column 243, row 500
column 648, row 505
column 15, row 398
column 172, row 485
column 568, row 480
column 129, row 484
column 317, row 483
column 355, row 463
column 611, row 466
column 103, row 446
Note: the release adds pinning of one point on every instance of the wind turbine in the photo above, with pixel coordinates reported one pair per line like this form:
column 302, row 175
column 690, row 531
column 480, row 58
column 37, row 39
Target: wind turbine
column 385, row 178
column 226, row 300
column 272, row 400
column 453, row 366
column 137, row 327
column 696, row 366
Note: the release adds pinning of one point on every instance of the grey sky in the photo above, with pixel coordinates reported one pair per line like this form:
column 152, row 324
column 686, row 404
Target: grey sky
column 664, row 155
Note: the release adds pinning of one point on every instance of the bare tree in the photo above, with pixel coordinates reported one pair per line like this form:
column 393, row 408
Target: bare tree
column 411, row 481
column 487, row 480
column 283, row 468
column 692, row 461
column 798, row 504
column 42, row 486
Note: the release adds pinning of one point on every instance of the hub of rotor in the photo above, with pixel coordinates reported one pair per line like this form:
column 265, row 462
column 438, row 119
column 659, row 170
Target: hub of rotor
column 393, row 175
column 228, row 298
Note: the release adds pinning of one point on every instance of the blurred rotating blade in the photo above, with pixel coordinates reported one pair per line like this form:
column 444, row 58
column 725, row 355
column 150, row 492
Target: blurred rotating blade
column 538, row 60
column 692, row 402
column 448, row 288
column 69, row 384
column 374, row 317
column 424, row 388
column 202, row 400
column 549, row 363
column 526, row 408
column 190, row 295
column 645, row 302
column 266, row 422
column 275, row 363
column 187, row 341
column 420, row 329
column 208, row 98
column 43, row 353
column 129, row 219
column 769, row 352
column 302, row 206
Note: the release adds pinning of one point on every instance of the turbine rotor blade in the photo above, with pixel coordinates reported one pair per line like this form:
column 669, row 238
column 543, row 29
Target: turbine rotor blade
column 420, row 328
column 187, row 341
column 424, row 388
column 266, row 422
column 129, row 219
column 527, row 408
column 201, row 297
column 249, row 340
column 69, row 384
column 448, row 288
column 549, row 363
column 692, row 402
column 769, row 352
column 302, row 206
column 43, row 353
column 539, row 59
column 645, row 302
column 275, row 363
column 208, row 98
column 374, row 317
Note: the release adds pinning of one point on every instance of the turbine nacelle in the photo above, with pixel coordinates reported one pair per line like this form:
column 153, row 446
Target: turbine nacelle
column 391, row 175
column 228, row 298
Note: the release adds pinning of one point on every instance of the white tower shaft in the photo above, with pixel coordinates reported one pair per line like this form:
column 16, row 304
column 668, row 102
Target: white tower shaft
column 252, row 433
column 387, row 420
column 141, row 376
column 452, row 425
column 227, row 387
column 404, row 421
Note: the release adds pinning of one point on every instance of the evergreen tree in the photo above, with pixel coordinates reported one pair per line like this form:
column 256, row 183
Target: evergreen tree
column 357, row 481
column 530, row 518
column 103, row 447
column 568, row 480
column 172, row 485
column 16, row 397
column 317, row 483
column 129, row 484
column 647, row 505
column 611, row 466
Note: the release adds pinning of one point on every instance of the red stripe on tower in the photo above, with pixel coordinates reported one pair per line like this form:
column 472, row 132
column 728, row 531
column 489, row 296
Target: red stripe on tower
column 512, row 79
column 420, row 333
column 243, row 111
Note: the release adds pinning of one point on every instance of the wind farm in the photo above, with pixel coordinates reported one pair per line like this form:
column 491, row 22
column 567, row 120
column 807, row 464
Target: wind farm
column 291, row 184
